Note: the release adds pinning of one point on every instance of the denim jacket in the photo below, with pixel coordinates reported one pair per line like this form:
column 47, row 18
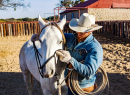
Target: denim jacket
column 90, row 51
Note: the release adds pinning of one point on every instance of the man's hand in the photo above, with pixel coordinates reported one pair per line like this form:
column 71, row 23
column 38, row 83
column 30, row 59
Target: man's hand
column 63, row 55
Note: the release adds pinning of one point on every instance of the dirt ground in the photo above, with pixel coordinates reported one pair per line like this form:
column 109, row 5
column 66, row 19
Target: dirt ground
column 116, row 62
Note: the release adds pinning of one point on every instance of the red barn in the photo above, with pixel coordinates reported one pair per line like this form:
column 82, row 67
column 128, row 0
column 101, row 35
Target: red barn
column 103, row 10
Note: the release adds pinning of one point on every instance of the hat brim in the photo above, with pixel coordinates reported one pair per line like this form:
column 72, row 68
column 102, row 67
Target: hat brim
column 74, row 26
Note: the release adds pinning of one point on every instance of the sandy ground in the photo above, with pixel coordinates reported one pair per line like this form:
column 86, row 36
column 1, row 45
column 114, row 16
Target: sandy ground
column 116, row 62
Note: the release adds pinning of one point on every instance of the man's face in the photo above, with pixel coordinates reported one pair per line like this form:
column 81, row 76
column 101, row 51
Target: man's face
column 82, row 35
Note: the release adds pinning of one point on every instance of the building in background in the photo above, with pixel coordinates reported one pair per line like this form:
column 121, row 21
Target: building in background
column 104, row 10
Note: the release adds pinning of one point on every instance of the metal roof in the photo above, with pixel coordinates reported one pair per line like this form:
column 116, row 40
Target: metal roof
column 101, row 4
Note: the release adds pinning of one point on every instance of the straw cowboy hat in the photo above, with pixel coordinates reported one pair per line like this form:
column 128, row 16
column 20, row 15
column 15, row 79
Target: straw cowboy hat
column 85, row 23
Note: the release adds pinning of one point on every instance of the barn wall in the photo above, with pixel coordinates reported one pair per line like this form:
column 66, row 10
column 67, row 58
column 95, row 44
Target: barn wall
column 107, row 14
column 76, row 14
column 102, row 14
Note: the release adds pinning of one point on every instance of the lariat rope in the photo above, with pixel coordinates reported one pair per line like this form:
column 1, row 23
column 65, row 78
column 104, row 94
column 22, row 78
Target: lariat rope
column 73, row 80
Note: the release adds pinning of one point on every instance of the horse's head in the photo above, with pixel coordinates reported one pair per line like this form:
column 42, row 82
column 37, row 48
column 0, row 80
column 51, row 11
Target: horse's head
column 51, row 40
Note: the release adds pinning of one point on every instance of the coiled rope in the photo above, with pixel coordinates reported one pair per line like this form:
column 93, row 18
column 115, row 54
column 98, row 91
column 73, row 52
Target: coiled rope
column 73, row 79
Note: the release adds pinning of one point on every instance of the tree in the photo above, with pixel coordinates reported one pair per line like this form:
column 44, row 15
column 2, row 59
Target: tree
column 4, row 4
column 69, row 3
column 64, row 3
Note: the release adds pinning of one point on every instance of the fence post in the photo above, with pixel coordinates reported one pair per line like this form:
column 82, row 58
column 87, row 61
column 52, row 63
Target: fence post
column 4, row 30
column 2, row 33
column 29, row 32
column 9, row 29
column 36, row 28
column 18, row 27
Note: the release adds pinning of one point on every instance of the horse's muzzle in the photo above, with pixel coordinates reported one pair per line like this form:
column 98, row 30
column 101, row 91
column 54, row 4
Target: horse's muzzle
column 46, row 75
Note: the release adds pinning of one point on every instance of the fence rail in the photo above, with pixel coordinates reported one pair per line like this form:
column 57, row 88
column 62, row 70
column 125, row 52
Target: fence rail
column 117, row 28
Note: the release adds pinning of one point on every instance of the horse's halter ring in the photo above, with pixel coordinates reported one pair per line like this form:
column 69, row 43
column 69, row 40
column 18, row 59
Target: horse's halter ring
column 37, row 54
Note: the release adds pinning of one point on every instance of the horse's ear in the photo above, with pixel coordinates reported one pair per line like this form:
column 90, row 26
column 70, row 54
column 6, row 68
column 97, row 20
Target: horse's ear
column 41, row 22
column 62, row 22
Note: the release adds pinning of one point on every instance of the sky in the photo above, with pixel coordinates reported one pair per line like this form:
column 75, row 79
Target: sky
column 37, row 7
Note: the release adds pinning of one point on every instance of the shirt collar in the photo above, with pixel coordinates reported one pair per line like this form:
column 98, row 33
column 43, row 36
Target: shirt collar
column 88, row 39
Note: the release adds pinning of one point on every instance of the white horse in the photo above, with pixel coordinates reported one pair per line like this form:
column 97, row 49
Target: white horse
column 50, row 41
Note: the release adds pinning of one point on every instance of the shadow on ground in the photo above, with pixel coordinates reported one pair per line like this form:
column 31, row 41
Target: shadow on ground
column 13, row 84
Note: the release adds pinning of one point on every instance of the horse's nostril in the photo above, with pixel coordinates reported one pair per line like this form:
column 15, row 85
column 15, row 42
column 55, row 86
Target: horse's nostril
column 51, row 71
column 46, row 75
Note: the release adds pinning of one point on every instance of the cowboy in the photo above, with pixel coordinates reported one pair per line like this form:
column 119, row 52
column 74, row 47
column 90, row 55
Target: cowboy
column 83, row 47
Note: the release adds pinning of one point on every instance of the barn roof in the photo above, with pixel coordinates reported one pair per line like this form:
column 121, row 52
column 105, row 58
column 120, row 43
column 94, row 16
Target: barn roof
column 101, row 4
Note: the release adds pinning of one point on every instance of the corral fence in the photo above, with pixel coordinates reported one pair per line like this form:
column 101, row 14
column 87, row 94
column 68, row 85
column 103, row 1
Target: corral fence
column 117, row 28
column 19, row 28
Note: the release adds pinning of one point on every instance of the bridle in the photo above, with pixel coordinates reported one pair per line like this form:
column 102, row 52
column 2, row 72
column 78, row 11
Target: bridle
column 37, row 54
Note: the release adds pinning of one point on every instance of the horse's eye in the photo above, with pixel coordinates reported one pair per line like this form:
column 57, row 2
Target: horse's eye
column 60, row 42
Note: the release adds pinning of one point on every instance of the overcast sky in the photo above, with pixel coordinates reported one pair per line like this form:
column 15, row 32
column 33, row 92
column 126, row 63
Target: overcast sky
column 37, row 7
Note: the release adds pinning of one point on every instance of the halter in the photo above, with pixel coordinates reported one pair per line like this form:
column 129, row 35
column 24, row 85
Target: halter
column 37, row 54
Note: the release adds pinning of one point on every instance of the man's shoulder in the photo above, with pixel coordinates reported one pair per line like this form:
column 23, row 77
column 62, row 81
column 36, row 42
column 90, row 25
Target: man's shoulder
column 93, row 44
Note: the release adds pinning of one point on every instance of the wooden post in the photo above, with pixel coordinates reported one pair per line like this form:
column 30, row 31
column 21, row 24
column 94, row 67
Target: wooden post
column 2, row 33
column 103, row 26
column 29, row 31
column 112, row 31
column 36, row 28
column 21, row 29
column 14, row 34
column 118, row 29
column 0, row 30
column 129, row 30
column 18, row 27
column 26, row 28
column 9, row 29
column 4, row 30
column 31, row 28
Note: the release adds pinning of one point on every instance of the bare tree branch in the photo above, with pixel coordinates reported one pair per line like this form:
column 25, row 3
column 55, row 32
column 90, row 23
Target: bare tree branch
column 5, row 4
